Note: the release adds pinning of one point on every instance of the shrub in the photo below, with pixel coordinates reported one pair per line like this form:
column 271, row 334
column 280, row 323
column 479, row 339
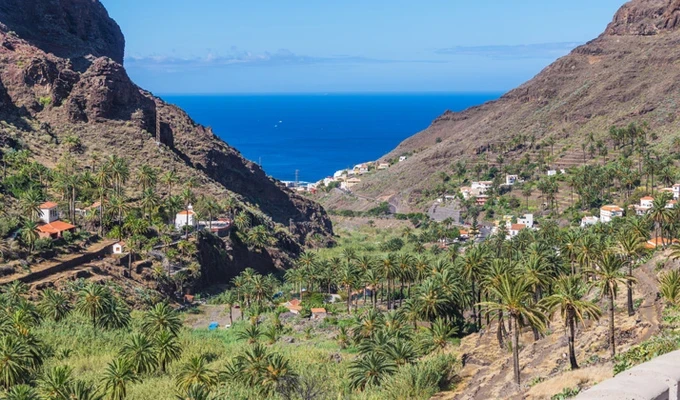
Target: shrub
column 45, row 101
column 43, row 244
column 645, row 351
column 421, row 380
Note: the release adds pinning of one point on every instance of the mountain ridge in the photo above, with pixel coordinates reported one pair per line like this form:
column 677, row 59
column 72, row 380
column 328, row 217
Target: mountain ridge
column 627, row 74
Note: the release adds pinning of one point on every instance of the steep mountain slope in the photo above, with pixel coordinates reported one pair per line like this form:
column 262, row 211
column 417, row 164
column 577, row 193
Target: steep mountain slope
column 630, row 73
column 61, row 74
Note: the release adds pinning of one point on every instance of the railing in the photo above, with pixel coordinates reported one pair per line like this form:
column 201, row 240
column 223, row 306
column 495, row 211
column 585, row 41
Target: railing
column 654, row 380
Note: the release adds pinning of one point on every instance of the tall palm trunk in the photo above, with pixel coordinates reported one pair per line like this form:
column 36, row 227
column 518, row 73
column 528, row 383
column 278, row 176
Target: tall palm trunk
column 629, row 287
column 499, row 330
column 349, row 297
column 612, row 339
column 572, row 352
column 515, row 349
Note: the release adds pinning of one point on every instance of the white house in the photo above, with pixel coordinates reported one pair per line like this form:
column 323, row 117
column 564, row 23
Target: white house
column 361, row 169
column 466, row 192
column 511, row 179
column 671, row 204
column 383, row 165
column 481, row 187
column 527, row 220
column 646, row 204
column 587, row 221
column 514, row 229
column 609, row 212
column 402, row 158
column 186, row 217
column 49, row 212
column 552, row 172
column 118, row 248
column 676, row 191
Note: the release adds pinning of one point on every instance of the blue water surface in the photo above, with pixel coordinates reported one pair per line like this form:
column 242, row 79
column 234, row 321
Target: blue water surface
column 318, row 134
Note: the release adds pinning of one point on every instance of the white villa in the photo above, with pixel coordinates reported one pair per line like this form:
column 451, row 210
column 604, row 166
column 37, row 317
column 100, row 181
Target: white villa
column 609, row 212
column 511, row 179
column 49, row 212
column 646, row 204
column 481, row 187
column 527, row 220
column 186, row 217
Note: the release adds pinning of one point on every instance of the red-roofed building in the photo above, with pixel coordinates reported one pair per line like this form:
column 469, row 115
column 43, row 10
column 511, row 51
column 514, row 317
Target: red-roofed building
column 658, row 241
column 513, row 229
column 54, row 229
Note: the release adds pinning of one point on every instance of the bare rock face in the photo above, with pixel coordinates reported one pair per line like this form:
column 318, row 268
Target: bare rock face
column 645, row 18
column 73, row 29
column 105, row 92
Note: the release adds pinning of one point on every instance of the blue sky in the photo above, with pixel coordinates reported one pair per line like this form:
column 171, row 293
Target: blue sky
column 257, row 46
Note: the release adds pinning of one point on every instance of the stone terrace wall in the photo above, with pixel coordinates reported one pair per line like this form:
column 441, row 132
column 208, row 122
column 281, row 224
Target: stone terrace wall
column 654, row 380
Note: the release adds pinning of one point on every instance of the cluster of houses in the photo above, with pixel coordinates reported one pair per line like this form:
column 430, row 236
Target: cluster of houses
column 609, row 212
column 513, row 229
column 477, row 190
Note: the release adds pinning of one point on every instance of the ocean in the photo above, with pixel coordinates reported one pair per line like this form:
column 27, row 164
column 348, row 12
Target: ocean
column 318, row 134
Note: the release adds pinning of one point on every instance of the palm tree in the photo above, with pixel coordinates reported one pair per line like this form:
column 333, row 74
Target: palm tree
column 660, row 215
column 150, row 201
column 195, row 372
column 169, row 179
column 251, row 333
column 21, row 392
column 29, row 203
column 188, row 198
column 440, row 332
column 55, row 383
column 347, row 278
column 370, row 369
column 670, row 286
column 630, row 246
column 117, row 376
column 29, row 234
column 147, row 177
column 161, row 318
column 167, row 349
column 120, row 172
column 608, row 277
column 514, row 297
column 140, row 353
column 54, row 305
column 210, row 207
column 196, row 392
column 92, row 301
column 118, row 206
column 15, row 361
column 568, row 293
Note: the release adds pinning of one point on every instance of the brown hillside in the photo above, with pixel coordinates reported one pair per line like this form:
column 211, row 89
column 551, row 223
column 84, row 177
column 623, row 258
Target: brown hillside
column 61, row 74
column 630, row 73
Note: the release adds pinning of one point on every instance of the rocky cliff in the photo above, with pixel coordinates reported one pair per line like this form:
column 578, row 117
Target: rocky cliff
column 628, row 74
column 61, row 73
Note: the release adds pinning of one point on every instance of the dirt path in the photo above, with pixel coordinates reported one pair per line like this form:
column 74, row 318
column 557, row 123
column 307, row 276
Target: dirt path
column 44, row 266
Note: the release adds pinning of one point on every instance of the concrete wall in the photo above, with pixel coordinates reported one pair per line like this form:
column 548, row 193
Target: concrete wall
column 654, row 380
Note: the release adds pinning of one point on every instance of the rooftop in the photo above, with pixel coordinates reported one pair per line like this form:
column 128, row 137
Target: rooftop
column 48, row 204
column 55, row 227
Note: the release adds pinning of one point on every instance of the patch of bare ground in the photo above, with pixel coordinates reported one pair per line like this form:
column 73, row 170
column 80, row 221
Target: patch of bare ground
column 487, row 371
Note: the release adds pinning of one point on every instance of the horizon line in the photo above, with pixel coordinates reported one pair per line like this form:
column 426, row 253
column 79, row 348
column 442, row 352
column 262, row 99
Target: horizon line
column 329, row 93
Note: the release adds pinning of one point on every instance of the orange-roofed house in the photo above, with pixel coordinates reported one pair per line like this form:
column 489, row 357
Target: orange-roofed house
column 49, row 212
column 54, row 229
column 513, row 229
column 609, row 212
column 186, row 217
column 318, row 313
